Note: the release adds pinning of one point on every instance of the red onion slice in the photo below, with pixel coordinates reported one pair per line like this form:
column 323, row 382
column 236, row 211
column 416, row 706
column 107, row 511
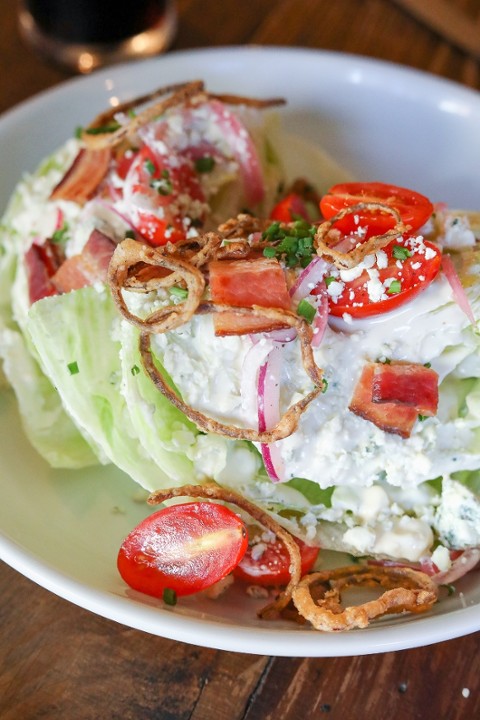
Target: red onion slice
column 308, row 279
column 269, row 411
column 459, row 293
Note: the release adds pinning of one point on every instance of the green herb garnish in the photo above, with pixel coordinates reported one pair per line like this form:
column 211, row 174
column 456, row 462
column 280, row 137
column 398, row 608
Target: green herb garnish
column 60, row 235
column 306, row 310
column 169, row 596
column 178, row 292
column 73, row 368
column 103, row 129
column 400, row 252
column 395, row 287
column 150, row 166
column 205, row 164
column 292, row 244
column 135, row 370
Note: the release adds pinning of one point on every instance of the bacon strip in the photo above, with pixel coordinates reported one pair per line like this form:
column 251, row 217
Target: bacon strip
column 83, row 177
column 88, row 267
column 389, row 417
column 408, row 384
column 245, row 283
column 41, row 262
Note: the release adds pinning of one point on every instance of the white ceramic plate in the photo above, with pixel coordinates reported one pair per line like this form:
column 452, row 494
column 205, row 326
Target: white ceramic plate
column 382, row 122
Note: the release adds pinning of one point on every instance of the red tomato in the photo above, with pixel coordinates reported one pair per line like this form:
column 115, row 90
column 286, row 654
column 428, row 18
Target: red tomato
column 410, row 276
column 414, row 209
column 290, row 209
column 272, row 566
column 185, row 548
column 162, row 198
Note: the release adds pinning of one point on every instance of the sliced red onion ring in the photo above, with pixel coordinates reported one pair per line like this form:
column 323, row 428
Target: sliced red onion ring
column 269, row 411
column 254, row 359
column 320, row 321
column 460, row 567
column 308, row 279
column 462, row 563
column 117, row 222
column 459, row 293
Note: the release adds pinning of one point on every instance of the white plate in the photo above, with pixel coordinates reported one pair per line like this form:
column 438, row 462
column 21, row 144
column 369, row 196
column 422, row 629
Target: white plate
column 382, row 122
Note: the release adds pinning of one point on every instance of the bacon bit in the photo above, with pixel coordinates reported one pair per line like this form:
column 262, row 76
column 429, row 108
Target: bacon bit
column 88, row 267
column 389, row 417
column 407, row 590
column 245, row 283
column 41, row 262
column 407, row 384
column 83, row 177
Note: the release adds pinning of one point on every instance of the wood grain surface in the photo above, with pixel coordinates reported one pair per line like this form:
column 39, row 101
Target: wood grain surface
column 60, row 662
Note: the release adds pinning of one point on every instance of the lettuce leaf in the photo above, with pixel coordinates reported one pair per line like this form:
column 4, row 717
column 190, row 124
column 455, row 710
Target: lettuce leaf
column 73, row 335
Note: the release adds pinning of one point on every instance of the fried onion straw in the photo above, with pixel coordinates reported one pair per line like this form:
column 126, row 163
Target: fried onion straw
column 347, row 260
column 215, row 492
column 96, row 137
column 286, row 426
column 327, row 614
column 128, row 255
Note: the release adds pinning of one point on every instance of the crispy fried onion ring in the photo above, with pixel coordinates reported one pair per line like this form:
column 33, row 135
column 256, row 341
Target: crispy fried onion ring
column 127, row 257
column 346, row 260
column 191, row 92
column 211, row 491
column 406, row 590
column 286, row 425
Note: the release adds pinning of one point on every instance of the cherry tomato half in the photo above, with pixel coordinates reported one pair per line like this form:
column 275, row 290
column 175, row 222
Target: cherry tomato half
column 185, row 548
column 267, row 562
column 414, row 208
column 411, row 265
column 290, row 208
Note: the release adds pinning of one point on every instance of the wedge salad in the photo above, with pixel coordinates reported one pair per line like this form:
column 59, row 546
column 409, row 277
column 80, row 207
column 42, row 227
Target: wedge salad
column 175, row 302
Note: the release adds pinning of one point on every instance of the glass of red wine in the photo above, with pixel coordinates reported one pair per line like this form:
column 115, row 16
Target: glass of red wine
column 85, row 34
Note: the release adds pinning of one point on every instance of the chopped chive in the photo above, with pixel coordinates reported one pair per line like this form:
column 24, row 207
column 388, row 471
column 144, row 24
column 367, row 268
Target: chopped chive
column 78, row 132
column 73, row 368
column 450, row 588
column 427, row 364
column 162, row 186
column 102, row 129
column 169, row 596
column 306, row 310
column 400, row 252
column 329, row 280
column 421, row 418
column 205, row 164
column 60, row 235
column 149, row 166
column 324, row 385
column 395, row 287
column 130, row 234
column 178, row 292
column 135, row 370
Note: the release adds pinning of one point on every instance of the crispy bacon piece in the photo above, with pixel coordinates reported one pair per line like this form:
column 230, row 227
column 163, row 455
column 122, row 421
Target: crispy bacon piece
column 41, row 263
column 90, row 266
column 388, row 416
column 83, row 177
column 408, row 384
column 245, row 283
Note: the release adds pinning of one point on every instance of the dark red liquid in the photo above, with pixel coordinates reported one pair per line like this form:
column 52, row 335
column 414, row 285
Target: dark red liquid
column 95, row 21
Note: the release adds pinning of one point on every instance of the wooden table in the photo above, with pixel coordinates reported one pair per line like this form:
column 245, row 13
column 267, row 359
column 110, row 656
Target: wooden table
column 58, row 661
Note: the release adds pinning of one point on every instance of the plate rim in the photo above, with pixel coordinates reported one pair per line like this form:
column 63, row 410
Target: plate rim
column 179, row 627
